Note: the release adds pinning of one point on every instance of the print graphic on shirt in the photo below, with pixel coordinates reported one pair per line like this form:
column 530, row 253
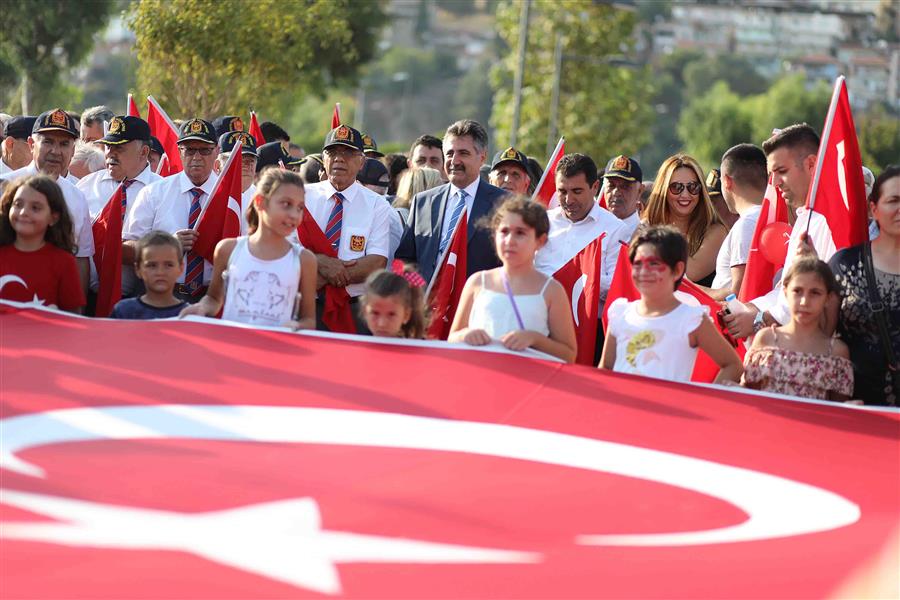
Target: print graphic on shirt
column 261, row 296
column 643, row 340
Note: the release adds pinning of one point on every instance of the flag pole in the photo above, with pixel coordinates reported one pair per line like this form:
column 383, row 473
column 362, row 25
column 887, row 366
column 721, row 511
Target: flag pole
column 820, row 159
column 540, row 184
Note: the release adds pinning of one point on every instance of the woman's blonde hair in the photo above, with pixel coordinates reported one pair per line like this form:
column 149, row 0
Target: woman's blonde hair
column 414, row 181
column 269, row 181
column 657, row 210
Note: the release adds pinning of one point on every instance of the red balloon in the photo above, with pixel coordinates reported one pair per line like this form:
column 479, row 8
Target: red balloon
column 773, row 242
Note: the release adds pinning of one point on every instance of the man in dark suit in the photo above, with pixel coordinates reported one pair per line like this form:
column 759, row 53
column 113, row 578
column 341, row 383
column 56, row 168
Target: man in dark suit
column 434, row 213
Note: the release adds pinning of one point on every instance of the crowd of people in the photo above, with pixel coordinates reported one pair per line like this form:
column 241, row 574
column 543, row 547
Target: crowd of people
column 829, row 327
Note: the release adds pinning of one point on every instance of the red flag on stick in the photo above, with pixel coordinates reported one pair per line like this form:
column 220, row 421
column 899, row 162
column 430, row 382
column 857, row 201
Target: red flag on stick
column 336, row 115
column 222, row 216
column 132, row 107
column 337, row 315
column 581, row 279
column 547, row 185
column 163, row 129
column 838, row 191
column 256, row 130
column 759, row 275
column 447, row 283
column 107, row 230
column 622, row 286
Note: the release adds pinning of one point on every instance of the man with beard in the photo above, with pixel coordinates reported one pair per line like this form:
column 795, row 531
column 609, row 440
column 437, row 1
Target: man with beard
column 434, row 213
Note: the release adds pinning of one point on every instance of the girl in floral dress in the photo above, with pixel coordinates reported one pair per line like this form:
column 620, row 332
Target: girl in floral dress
column 799, row 358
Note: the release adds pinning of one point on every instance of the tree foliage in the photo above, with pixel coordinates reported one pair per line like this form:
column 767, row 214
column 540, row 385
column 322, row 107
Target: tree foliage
column 210, row 57
column 42, row 40
column 603, row 108
column 879, row 138
column 714, row 122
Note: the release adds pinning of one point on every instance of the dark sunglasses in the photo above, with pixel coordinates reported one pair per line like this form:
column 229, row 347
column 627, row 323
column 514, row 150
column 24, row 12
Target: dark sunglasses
column 693, row 188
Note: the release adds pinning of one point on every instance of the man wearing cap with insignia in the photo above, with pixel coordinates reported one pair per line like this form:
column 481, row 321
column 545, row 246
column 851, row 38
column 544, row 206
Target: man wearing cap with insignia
column 275, row 154
column 156, row 153
column 223, row 125
column 509, row 171
column 52, row 144
column 579, row 220
column 15, row 152
column 249, row 156
column 428, row 228
column 355, row 219
column 370, row 148
column 174, row 205
column 622, row 188
column 126, row 148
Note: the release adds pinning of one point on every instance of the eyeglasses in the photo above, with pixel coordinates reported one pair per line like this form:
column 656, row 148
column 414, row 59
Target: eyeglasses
column 192, row 151
column 693, row 188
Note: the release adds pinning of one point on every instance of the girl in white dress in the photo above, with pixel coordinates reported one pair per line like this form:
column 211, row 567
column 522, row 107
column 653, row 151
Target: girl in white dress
column 516, row 304
column 258, row 277
column 658, row 335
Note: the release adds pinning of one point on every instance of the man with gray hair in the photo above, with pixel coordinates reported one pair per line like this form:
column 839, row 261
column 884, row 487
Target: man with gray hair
column 87, row 159
column 92, row 122
column 434, row 213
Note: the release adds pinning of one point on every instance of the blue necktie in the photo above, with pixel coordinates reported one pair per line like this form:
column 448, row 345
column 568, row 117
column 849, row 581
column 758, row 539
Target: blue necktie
column 454, row 219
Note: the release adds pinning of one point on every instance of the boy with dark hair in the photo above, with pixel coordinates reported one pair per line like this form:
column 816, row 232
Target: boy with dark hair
column 158, row 263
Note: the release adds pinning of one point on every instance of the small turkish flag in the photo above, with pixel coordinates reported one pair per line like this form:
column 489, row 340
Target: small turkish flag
column 336, row 115
column 447, row 283
column 222, row 216
column 107, row 231
column 163, row 129
column 547, row 185
column 759, row 274
column 580, row 277
column 256, row 130
column 132, row 107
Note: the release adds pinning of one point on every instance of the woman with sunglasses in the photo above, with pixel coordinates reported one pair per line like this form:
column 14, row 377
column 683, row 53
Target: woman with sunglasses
column 680, row 198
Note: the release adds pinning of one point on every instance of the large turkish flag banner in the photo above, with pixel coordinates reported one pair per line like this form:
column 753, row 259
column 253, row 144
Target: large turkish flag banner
column 181, row 459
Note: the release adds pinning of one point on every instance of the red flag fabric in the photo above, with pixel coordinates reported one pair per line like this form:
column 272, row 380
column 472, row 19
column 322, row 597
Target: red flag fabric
column 337, row 314
column 622, row 286
column 132, row 107
column 759, row 274
column 107, row 230
column 222, row 216
column 601, row 200
column 838, row 191
column 447, row 283
column 580, row 277
column 162, row 127
column 255, row 130
column 406, row 483
column 336, row 115
column 546, row 187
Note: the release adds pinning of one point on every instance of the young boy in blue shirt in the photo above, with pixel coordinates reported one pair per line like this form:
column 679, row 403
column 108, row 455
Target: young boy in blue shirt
column 158, row 263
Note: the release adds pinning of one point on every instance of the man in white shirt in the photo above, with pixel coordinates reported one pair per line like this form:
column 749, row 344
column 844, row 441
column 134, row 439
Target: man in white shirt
column 622, row 188
column 743, row 179
column 791, row 160
column 353, row 218
column 175, row 203
column 15, row 152
column 52, row 144
column 126, row 150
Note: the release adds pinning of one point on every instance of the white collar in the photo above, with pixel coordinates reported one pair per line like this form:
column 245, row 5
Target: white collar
column 185, row 184
column 144, row 176
column 470, row 189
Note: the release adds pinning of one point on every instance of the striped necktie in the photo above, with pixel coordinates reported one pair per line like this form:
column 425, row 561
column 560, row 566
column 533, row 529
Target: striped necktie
column 194, row 275
column 454, row 219
column 126, row 185
column 333, row 229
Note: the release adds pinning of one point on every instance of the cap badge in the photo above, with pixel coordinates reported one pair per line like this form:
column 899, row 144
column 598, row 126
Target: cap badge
column 196, row 126
column 621, row 164
column 342, row 133
column 368, row 141
column 58, row 117
column 117, row 125
column 510, row 153
column 237, row 125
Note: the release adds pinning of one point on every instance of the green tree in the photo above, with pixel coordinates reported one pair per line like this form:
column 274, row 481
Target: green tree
column 714, row 122
column 42, row 40
column 739, row 73
column 789, row 101
column 603, row 108
column 208, row 57
column 879, row 138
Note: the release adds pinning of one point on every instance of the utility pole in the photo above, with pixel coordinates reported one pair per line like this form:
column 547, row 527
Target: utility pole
column 520, row 72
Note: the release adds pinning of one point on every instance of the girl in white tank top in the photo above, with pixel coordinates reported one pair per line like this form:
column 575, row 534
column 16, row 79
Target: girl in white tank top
column 261, row 278
column 515, row 304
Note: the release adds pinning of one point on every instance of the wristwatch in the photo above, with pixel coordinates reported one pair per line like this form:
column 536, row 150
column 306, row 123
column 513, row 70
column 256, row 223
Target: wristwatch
column 759, row 321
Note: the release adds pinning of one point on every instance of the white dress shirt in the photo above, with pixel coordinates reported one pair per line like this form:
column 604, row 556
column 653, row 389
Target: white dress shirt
column 775, row 301
column 365, row 222
column 470, row 191
column 166, row 205
column 566, row 239
column 735, row 248
column 72, row 179
column 5, row 168
column 631, row 224
column 78, row 209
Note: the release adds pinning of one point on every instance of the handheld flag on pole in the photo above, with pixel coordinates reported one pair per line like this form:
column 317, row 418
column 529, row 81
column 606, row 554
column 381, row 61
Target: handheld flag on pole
column 107, row 231
column 163, row 129
column 222, row 216
column 446, row 285
column 580, row 277
column 336, row 116
column 256, row 130
column 547, row 185
column 759, row 274
column 132, row 107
